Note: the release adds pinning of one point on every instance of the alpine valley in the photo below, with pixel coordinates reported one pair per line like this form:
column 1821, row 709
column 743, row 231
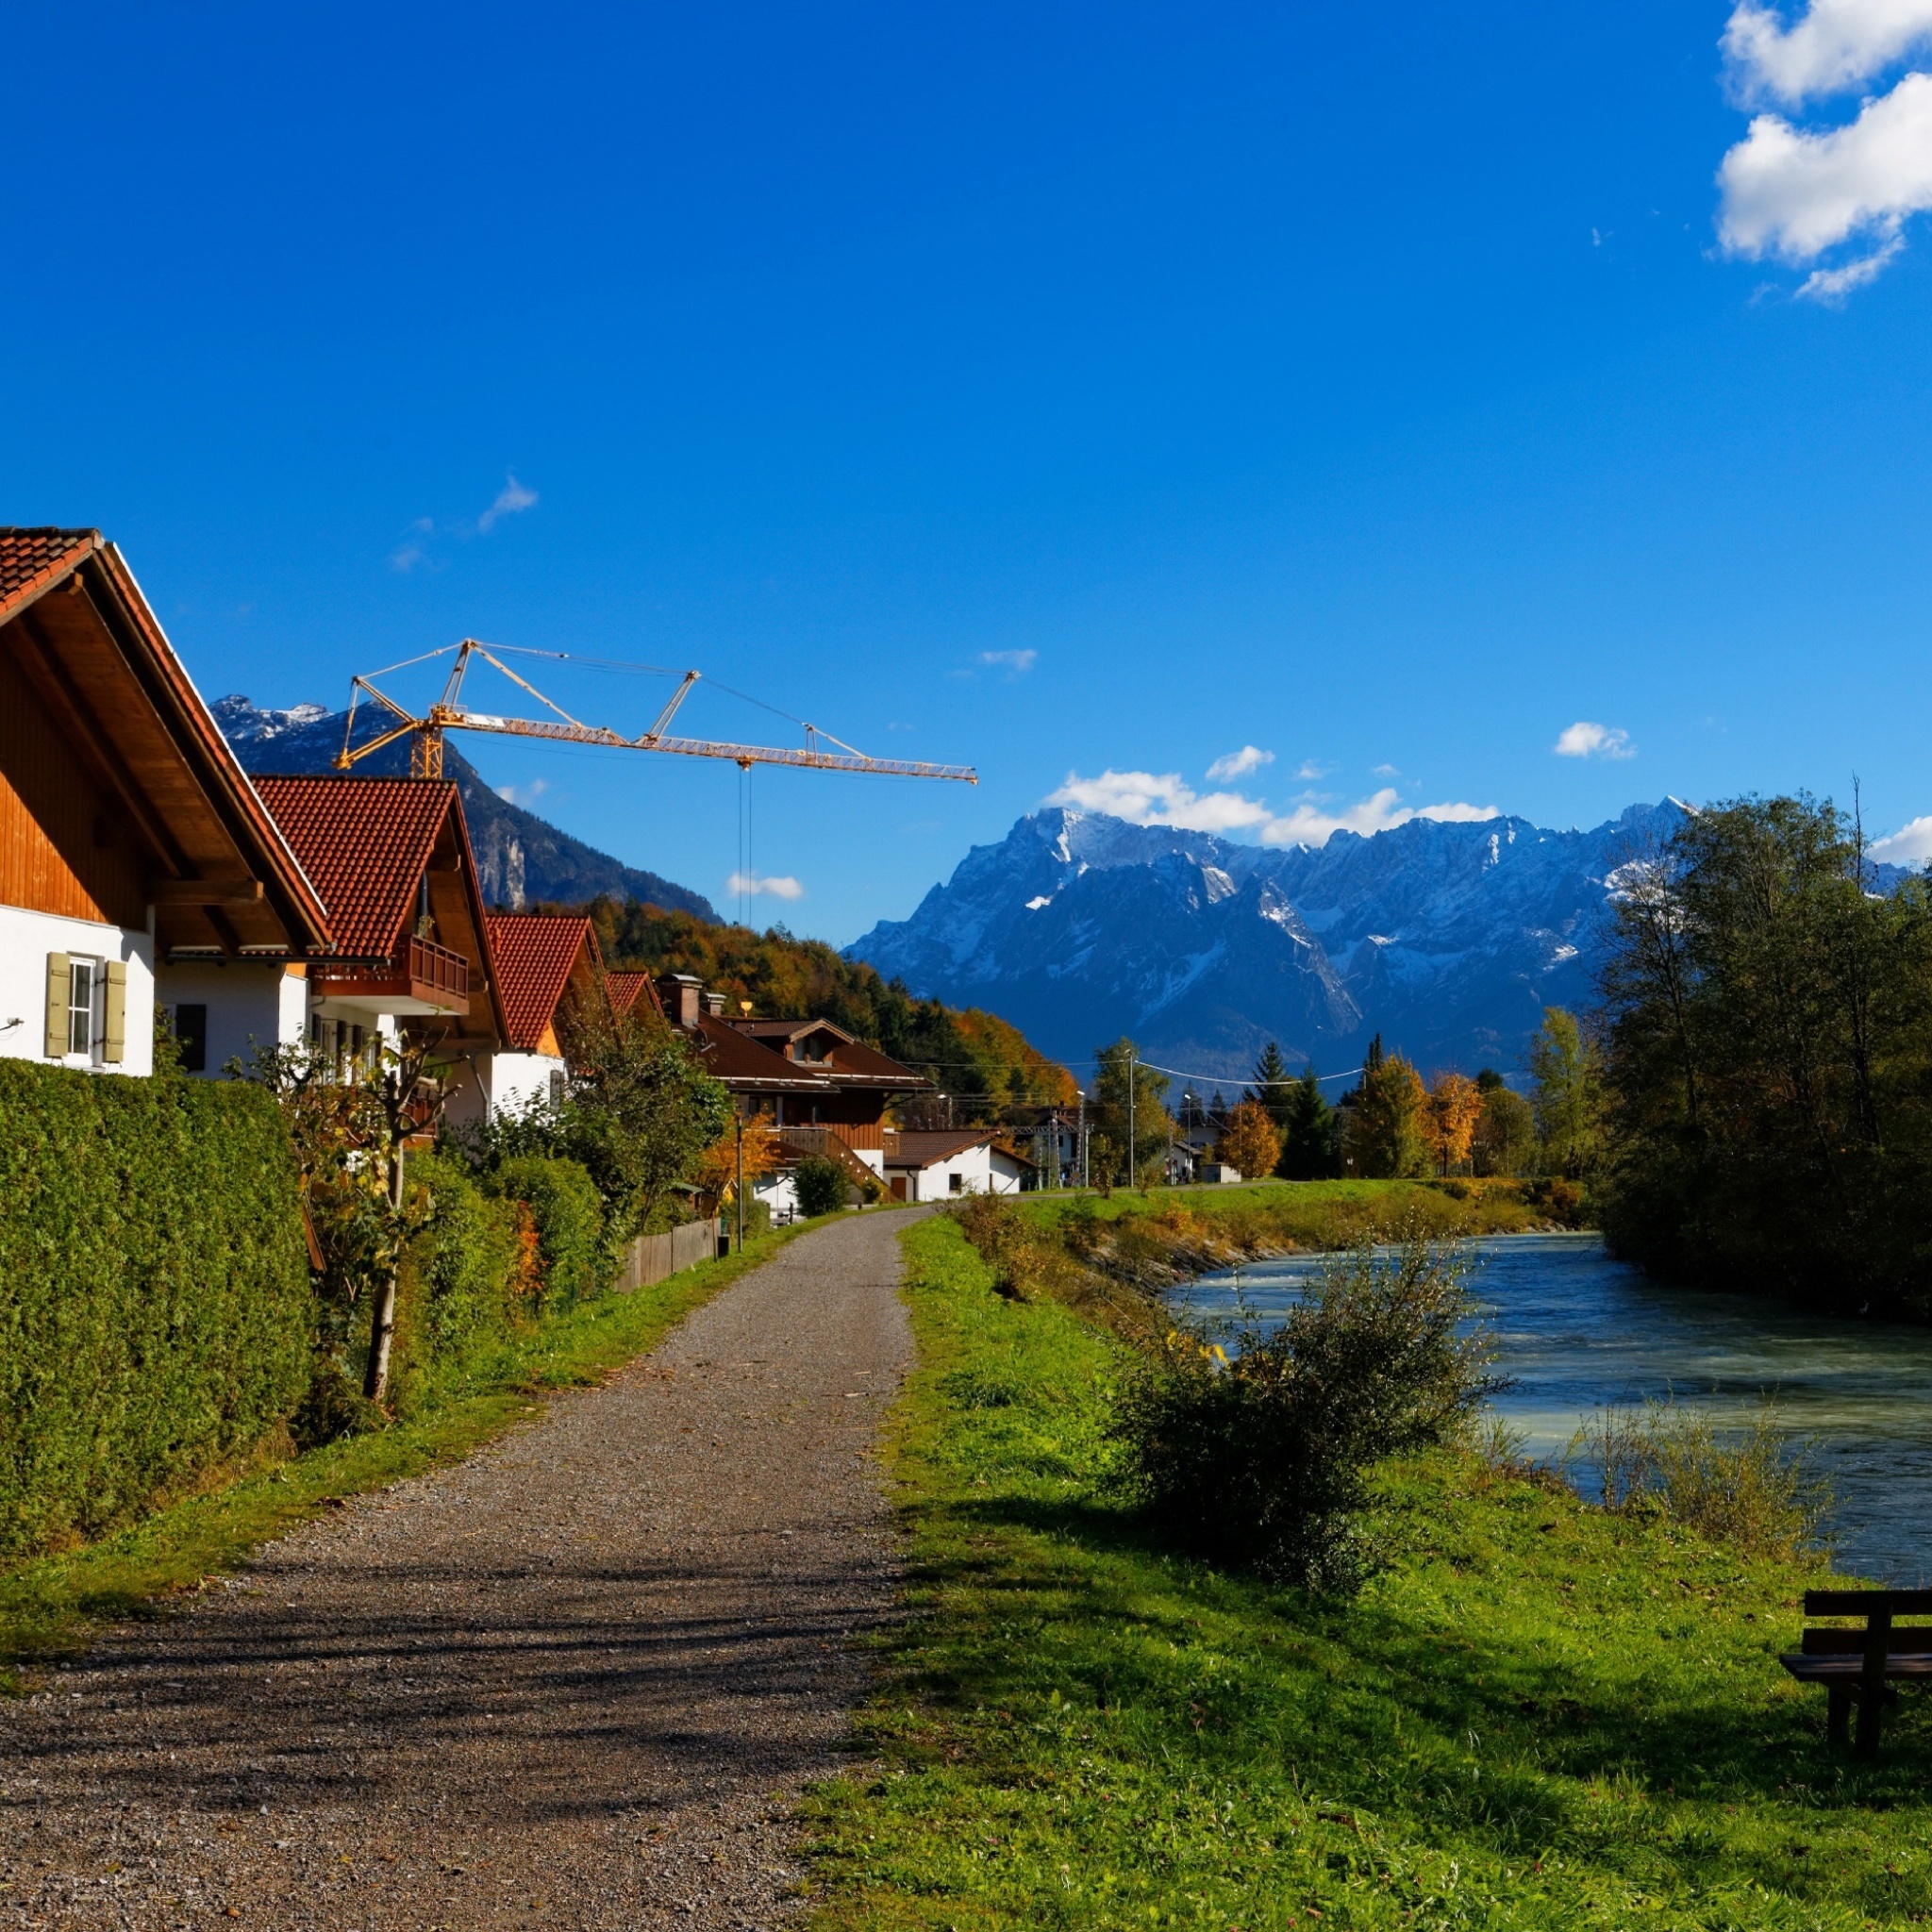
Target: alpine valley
column 1448, row 939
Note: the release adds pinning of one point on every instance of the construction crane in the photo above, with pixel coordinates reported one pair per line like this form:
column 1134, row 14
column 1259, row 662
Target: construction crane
column 449, row 714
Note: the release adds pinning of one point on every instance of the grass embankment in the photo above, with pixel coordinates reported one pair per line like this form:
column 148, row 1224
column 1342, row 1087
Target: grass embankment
column 1539, row 1715
column 1281, row 1217
column 53, row 1605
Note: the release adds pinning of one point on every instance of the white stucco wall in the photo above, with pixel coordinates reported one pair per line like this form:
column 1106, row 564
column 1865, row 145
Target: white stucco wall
column 26, row 939
column 498, row 1083
column 981, row 1171
column 250, row 1003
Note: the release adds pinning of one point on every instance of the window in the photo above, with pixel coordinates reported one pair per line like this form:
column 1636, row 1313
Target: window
column 957, row 1183
column 191, row 1037
column 80, row 1005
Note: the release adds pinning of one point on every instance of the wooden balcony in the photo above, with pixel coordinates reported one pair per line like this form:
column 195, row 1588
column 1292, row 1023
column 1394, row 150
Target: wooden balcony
column 422, row 978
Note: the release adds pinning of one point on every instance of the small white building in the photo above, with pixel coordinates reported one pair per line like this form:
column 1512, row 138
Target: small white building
column 942, row 1165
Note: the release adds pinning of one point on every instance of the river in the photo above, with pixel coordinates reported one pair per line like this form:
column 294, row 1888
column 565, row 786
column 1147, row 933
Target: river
column 1577, row 1329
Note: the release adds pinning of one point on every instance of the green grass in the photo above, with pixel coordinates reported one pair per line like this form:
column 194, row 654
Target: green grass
column 1315, row 1214
column 1538, row 1715
column 55, row 1606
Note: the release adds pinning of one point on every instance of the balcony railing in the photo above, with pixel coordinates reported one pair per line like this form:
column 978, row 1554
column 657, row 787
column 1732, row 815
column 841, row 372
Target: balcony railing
column 423, row 978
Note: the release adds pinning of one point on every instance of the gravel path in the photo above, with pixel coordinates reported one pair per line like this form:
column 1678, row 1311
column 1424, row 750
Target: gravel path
column 570, row 1683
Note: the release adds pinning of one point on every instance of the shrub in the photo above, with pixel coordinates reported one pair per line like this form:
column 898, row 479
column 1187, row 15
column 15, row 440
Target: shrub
column 471, row 1273
column 569, row 1216
column 1752, row 1488
column 822, row 1185
column 1262, row 1459
column 154, row 1303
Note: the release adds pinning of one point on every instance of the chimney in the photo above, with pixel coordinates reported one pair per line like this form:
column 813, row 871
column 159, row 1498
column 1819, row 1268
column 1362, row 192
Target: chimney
column 681, row 992
column 714, row 1005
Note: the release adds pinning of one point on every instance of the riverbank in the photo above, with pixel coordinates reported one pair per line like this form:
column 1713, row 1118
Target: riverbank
column 1537, row 1716
column 52, row 1607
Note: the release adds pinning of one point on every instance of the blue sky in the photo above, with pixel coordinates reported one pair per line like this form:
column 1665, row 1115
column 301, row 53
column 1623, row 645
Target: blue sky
column 1065, row 392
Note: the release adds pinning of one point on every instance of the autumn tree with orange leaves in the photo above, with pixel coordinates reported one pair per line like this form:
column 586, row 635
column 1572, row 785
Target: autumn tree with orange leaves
column 1248, row 1141
column 1455, row 1105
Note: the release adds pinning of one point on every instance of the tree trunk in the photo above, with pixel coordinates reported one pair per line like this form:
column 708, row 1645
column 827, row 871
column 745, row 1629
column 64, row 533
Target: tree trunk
column 382, row 1326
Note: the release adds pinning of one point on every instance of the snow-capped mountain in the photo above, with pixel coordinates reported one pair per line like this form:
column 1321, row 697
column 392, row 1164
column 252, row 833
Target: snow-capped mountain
column 521, row 859
column 1447, row 939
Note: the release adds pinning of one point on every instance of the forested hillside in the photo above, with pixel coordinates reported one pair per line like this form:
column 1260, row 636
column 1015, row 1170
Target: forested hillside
column 986, row 1065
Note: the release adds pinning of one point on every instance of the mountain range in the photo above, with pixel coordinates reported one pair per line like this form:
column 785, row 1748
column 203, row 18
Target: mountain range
column 520, row 858
column 1447, row 939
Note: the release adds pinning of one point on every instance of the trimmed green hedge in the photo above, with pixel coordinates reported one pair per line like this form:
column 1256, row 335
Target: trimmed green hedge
column 569, row 1213
column 156, row 1312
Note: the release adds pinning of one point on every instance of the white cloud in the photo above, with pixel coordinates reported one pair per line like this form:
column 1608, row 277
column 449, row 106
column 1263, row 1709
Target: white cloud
column 523, row 794
column 1237, row 764
column 1911, row 844
column 1308, row 823
column 779, row 885
column 1310, row 770
column 511, row 499
column 1832, row 47
column 1143, row 798
column 1384, row 771
column 1831, row 286
column 1791, row 194
column 1018, row 663
column 1584, row 740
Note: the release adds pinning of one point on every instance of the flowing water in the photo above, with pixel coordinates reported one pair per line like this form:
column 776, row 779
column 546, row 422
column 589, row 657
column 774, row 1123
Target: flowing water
column 1577, row 1329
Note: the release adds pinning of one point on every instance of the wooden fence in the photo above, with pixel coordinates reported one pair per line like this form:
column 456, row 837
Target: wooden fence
column 651, row 1256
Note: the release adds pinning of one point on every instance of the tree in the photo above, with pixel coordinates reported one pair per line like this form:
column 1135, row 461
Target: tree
column 1311, row 1139
column 1248, row 1141
column 1455, row 1103
column 1567, row 1099
column 1388, row 1131
column 1505, row 1138
column 350, row 1125
column 1271, row 1087
column 640, row 1113
column 1151, row 1128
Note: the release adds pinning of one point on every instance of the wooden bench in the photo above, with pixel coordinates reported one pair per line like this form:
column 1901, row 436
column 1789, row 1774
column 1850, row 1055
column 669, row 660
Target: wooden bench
column 1859, row 1664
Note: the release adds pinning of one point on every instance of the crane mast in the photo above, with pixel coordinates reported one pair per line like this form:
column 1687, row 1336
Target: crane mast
column 449, row 713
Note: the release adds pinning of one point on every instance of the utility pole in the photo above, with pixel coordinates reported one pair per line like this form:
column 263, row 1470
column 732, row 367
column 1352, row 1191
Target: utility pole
column 1131, row 1177
column 741, row 1184
column 1081, row 1131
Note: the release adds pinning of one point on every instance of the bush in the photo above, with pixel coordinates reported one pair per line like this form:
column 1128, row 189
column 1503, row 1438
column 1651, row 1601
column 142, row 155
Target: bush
column 473, row 1271
column 1262, row 1459
column 155, row 1306
column 1751, row 1489
column 822, row 1185
column 569, row 1214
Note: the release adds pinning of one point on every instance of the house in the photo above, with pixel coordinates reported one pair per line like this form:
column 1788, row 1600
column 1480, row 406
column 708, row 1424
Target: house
column 824, row 1091
column 625, row 990
column 938, row 1165
column 390, row 858
column 134, row 854
column 545, row 966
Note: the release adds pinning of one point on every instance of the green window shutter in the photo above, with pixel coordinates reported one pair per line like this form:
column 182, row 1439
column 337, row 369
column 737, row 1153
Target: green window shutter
column 58, row 983
column 114, row 1046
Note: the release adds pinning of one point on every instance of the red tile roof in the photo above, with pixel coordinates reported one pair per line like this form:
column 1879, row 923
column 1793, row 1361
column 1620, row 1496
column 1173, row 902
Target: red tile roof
column 625, row 989
column 534, row 954
column 32, row 559
column 364, row 843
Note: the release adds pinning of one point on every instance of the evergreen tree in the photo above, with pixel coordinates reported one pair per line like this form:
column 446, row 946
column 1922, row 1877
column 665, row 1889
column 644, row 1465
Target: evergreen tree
column 1271, row 1086
column 1311, row 1136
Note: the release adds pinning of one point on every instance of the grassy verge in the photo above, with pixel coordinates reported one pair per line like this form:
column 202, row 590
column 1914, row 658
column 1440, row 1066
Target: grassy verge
column 1537, row 1716
column 1274, row 1215
column 53, row 1605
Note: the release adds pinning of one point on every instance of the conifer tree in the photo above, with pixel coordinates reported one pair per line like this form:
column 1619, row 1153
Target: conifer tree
column 1311, row 1138
column 1270, row 1086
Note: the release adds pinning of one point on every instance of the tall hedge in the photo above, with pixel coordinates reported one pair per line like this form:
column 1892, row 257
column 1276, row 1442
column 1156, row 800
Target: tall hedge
column 155, row 1305
column 569, row 1223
